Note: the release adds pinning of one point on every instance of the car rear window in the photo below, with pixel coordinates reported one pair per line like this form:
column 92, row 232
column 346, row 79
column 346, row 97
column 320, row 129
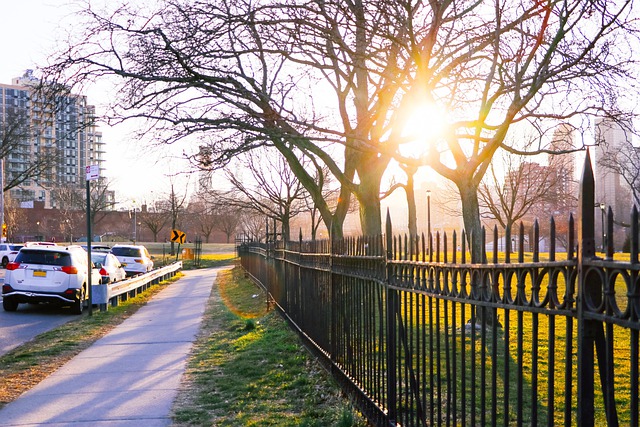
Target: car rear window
column 99, row 258
column 130, row 252
column 34, row 256
column 15, row 247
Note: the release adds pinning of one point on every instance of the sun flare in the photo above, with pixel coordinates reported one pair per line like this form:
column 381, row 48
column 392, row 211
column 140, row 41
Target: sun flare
column 424, row 125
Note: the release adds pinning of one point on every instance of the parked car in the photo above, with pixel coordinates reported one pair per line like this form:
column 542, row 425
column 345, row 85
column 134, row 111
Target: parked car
column 97, row 248
column 48, row 274
column 110, row 268
column 135, row 259
column 8, row 252
column 28, row 244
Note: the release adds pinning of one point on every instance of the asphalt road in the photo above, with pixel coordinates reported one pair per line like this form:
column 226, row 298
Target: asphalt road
column 27, row 322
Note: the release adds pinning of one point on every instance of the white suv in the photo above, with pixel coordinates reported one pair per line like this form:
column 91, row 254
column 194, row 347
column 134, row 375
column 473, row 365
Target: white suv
column 134, row 258
column 48, row 274
column 8, row 252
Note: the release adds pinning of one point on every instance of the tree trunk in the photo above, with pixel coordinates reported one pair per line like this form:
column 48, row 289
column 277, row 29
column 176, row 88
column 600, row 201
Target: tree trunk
column 471, row 218
column 370, row 213
column 370, row 169
column 411, row 205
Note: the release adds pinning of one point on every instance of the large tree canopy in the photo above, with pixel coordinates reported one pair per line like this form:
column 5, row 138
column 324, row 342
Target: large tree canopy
column 336, row 81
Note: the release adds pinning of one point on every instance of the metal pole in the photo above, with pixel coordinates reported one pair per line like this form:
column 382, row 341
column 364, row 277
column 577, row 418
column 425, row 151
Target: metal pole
column 135, row 225
column 89, row 263
column 602, row 217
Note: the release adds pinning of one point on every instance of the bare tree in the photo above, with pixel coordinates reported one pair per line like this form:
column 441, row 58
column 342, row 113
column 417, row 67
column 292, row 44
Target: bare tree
column 73, row 199
column 245, row 75
column 203, row 218
column 272, row 188
column 174, row 205
column 228, row 220
column 13, row 218
column 508, row 196
column 254, row 225
column 154, row 219
column 409, row 191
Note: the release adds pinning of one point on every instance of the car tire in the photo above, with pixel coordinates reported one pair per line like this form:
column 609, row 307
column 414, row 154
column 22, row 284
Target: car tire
column 78, row 306
column 9, row 304
column 5, row 261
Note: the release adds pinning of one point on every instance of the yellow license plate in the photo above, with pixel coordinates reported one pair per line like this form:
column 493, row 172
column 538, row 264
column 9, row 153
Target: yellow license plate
column 40, row 273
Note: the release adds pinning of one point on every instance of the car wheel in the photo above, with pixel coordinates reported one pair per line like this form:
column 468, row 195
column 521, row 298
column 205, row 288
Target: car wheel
column 5, row 261
column 78, row 306
column 9, row 304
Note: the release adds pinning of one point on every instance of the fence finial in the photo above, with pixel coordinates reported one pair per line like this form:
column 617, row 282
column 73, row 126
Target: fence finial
column 388, row 233
column 586, row 204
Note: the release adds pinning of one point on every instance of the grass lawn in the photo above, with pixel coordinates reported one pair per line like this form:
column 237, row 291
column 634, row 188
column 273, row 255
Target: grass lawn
column 249, row 369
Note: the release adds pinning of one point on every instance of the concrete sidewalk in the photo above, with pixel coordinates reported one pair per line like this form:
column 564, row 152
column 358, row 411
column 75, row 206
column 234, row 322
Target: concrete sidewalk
column 131, row 376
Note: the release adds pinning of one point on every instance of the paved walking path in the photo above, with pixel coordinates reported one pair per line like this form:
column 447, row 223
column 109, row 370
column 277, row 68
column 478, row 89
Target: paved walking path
column 130, row 377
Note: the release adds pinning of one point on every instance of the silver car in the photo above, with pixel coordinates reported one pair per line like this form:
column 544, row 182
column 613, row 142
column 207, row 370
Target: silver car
column 134, row 258
column 110, row 268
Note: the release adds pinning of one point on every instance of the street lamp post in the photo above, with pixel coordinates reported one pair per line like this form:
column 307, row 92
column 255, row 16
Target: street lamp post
column 429, row 219
column 602, row 207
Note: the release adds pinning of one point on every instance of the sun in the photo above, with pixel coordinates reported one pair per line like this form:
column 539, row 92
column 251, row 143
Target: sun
column 424, row 125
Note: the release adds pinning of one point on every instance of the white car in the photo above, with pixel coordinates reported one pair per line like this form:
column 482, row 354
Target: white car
column 135, row 259
column 8, row 252
column 109, row 267
column 48, row 274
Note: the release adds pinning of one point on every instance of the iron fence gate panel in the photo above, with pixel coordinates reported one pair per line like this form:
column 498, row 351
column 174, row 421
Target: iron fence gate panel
column 418, row 336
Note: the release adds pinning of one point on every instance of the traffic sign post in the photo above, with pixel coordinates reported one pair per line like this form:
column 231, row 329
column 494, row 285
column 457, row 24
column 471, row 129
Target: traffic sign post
column 92, row 173
column 179, row 237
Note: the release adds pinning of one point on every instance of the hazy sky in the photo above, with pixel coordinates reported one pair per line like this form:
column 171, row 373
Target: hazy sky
column 28, row 34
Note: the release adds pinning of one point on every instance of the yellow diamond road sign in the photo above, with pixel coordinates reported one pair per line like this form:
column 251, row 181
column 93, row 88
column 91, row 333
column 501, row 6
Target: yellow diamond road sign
column 178, row 236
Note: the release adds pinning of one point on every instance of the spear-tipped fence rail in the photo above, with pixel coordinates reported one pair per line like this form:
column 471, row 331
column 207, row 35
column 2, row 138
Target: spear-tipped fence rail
column 420, row 336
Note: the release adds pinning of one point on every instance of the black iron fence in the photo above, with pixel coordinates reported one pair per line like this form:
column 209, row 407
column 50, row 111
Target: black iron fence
column 418, row 335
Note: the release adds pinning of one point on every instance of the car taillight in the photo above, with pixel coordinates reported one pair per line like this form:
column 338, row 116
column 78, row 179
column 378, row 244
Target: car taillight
column 6, row 289
column 139, row 261
column 69, row 269
column 13, row 265
column 103, row 272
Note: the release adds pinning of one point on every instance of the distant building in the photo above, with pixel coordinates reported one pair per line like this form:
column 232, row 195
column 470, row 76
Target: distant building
column 611, row 190
column 564, row 191
column 65, row 127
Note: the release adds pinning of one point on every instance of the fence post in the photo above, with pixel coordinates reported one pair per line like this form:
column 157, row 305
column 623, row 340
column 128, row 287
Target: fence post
column 586, row 328
column 392, row 296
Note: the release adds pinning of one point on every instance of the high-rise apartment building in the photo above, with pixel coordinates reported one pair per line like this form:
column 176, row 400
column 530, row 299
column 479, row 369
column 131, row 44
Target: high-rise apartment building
column 611, row 190
column 563, row 194
column 62, row 129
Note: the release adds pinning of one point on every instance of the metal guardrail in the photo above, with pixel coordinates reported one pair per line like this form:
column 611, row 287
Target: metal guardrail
column 113, row 293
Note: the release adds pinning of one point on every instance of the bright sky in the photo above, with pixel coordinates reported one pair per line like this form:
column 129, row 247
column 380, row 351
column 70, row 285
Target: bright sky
column 28, row 35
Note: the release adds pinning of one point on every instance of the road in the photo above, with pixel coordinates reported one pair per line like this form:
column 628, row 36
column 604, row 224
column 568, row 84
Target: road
column 29, row 321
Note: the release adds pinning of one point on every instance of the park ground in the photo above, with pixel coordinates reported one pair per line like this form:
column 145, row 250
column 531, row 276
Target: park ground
column 247, row 367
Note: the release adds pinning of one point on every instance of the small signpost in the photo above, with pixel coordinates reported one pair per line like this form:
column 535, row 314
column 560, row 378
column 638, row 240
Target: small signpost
column 92, row 173
column 179, row 237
